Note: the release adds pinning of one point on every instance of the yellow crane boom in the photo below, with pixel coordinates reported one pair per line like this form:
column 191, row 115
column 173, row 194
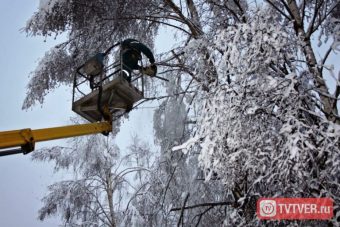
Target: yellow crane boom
column 26, row 138
column 110, row 94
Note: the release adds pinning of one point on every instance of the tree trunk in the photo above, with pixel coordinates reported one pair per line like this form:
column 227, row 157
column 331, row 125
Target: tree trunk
column 109, row 191
column 311, row 62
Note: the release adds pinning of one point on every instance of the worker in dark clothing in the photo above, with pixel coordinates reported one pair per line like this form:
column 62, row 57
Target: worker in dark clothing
column 131, row 54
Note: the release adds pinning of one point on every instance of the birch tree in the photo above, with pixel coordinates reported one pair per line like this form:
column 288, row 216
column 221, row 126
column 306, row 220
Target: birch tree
column 248, row 98
column 99, row 186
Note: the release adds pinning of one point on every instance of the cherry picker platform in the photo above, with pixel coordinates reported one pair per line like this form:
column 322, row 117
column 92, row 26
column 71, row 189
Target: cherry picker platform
column 101, row 94
column 109, row 89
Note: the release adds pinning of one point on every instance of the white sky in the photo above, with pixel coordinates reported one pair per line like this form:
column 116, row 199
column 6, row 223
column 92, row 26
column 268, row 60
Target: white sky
column 23, row 182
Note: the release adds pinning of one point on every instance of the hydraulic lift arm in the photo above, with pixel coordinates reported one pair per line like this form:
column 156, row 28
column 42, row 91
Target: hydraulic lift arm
column 26, row 138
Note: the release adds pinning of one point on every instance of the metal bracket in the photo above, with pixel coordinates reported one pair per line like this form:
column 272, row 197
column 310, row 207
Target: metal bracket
column 27, row 135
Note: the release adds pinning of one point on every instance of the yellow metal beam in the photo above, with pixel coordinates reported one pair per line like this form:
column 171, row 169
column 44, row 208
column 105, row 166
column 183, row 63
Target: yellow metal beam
column 15, row 138
column 24, row 137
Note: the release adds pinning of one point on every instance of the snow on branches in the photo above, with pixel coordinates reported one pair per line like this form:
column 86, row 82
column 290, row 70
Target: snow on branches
column 247, row 92
column 55, row 68
column 89, row 27
column 261, row 128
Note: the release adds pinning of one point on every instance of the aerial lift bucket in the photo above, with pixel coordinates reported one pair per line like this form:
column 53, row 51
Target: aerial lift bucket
column 116, row 95
column 110, row 91
column 98, row 93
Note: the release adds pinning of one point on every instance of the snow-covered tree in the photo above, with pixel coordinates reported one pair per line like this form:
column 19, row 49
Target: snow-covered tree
column 100, row 182
column 247, row 98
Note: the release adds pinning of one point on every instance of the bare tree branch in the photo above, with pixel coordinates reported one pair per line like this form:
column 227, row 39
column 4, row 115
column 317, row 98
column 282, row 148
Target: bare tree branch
column 315, row 14
column 181, row 217
column 203, row 205
column 193, row 28
column 201, row 215
column 278, row 9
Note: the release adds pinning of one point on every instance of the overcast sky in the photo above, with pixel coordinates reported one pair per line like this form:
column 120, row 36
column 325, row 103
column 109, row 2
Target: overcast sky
column 23, row 182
